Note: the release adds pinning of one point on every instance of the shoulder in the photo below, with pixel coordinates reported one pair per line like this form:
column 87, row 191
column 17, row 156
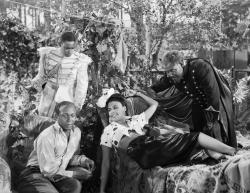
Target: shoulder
column 109, row 128
column 199, row 65
column 135, row 117
column 77, row 130
column 83, row 58
column 46, row 50
column 198, row 62
column 139, row 119
column 47, row 133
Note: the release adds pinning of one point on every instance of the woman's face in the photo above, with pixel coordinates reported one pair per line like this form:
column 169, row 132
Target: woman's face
column 117, row 112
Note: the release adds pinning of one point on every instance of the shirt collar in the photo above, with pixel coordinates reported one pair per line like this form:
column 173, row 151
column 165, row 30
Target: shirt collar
column 59, row 128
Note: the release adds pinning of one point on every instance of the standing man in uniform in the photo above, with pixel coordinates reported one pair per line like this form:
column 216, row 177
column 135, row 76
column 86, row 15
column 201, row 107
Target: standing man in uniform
column 204, row 90
column 62, row 75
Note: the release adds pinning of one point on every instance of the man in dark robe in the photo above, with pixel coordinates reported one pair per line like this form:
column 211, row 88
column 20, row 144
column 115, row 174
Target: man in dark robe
column 199, row 91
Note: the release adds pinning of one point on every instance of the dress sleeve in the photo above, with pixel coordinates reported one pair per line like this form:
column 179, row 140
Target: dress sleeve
column 82, row 81
column 106, row 138
column 138, row 122
column 40, row 79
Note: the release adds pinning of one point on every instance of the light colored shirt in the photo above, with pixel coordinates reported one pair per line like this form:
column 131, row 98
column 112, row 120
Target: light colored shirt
column 113, row 133
column 72, row 77
column 53, row 152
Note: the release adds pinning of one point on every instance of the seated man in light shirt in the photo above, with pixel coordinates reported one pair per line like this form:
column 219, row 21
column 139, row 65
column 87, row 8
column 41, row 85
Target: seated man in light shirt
column 54, row 165
column 62, row 75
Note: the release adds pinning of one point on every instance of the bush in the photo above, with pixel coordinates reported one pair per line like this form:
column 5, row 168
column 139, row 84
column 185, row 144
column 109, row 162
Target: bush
column 18, row 48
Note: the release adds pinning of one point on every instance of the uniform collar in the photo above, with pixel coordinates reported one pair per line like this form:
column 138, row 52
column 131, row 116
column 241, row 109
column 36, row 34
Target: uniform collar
column 185, row 68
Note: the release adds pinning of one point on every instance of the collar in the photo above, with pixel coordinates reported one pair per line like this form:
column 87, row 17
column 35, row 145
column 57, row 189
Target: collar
column 185, row 69
column 59, row 128
column 118, row 124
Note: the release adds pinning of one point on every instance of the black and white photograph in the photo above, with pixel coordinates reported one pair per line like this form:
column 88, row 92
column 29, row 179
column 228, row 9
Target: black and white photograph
column 124, row 96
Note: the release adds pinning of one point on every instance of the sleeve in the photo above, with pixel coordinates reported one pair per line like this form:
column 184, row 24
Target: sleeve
column 138, row 122
column 48, row 163
column 162, row 84
column 77, row 158
column 38, row 81
column 106, row 138
column 82, row 81
column 208, row 82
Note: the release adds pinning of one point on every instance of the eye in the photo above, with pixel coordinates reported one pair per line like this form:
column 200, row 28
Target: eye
column 116, row 107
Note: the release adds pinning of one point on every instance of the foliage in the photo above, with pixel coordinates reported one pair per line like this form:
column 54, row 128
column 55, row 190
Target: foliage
column 242, row 90
column 17, row 48
column 234, row 14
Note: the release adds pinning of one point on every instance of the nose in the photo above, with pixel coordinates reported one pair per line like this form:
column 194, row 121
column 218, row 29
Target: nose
column 70, row 118
column 111, row 112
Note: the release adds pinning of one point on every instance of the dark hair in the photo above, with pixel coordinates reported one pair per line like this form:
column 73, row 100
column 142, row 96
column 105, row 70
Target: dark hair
column 172, row 57
column 68, row 36
column 117, row 97
column 61, row 104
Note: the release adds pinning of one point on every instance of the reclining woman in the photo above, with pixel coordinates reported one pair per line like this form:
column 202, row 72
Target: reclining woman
column 128, row 133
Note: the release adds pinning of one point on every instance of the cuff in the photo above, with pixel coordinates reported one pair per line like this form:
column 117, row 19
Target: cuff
column 77, row 160
column 38, row 84
column 210, row 108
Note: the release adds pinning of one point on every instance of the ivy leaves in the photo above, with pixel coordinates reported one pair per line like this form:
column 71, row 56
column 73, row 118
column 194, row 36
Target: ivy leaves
column 17, row 47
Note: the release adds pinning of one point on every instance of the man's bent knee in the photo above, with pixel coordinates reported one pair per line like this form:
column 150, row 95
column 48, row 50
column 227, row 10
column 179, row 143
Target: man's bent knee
column 77, row 187
column 69, row 185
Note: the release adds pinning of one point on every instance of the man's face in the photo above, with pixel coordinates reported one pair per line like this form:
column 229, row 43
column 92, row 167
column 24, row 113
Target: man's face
column 175, row 72
column 67, row 117
column 68, row 48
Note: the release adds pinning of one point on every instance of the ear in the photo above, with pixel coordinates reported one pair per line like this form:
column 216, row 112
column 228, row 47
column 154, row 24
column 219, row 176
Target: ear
column 125, row 108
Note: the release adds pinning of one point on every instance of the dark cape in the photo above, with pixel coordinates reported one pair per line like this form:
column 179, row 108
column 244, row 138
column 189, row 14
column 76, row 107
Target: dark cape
column 187, row 105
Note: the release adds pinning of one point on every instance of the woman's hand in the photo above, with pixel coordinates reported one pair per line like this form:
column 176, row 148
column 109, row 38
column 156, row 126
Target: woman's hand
column 129, row 93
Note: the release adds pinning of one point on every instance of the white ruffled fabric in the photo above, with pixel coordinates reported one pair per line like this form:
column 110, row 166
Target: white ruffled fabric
column 106, row 93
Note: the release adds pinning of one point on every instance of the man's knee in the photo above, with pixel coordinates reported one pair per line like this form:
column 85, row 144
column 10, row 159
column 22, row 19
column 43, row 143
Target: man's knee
column 77, row 186
column 36, row 185
column 69, row 185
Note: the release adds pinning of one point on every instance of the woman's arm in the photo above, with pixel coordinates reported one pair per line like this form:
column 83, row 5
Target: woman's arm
column 151, row 102
column 152, row 105
column 105, row 167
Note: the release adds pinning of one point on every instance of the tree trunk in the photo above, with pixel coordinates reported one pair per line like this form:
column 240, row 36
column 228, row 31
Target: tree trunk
column 25, row 15
column 137, row 17
column 63, row 9
column 38, row 18
column 47, row 20
column 3, row 7
column 148, row 37
column 20, row 12
column 47, row 17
